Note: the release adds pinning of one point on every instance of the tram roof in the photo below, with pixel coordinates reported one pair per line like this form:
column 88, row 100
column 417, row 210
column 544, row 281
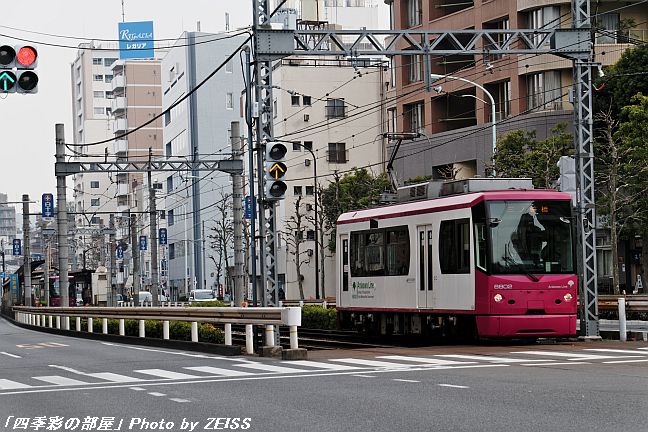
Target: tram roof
column 447, row 203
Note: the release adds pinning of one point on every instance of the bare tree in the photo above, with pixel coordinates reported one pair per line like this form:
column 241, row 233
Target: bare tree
column 294, row 236
column 322, row 232
column 221, row 238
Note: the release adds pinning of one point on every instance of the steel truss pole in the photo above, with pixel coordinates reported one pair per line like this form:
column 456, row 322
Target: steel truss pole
column 585, row 184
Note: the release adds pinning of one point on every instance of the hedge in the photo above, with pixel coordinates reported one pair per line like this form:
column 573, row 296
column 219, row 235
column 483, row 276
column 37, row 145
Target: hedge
column 178, row 330
column 317, row 317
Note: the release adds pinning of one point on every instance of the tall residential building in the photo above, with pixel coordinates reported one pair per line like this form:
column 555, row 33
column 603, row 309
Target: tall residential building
column 8, row 229
column 198, row 127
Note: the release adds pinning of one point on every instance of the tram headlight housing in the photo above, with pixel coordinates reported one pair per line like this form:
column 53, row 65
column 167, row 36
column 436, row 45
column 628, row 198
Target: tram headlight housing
column 568, row 297
column 498, row 298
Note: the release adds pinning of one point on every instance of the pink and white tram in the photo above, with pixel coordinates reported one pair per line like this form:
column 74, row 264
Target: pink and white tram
column 501, row 262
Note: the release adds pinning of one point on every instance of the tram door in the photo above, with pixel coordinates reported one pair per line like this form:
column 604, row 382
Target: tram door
column 344, row 269
column 425, row 266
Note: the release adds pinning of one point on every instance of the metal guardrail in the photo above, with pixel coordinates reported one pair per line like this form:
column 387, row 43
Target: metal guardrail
column 633, row 303
column 59, row 318
column 324, row 303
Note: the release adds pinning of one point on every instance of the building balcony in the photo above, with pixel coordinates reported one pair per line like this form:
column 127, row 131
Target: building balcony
column 120, row 146
column 122, row 208
column 122, row 189
column 118, row 83
column 118, row 104
column 120, row 126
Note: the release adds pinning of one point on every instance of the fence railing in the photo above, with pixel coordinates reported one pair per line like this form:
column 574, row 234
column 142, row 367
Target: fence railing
column 59, row 318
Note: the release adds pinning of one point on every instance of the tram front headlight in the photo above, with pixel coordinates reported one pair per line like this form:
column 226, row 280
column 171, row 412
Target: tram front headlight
column 568, row 297
column 498, row 298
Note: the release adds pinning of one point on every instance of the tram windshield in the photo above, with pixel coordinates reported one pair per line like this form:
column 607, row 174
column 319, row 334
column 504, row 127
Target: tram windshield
column 532, row 237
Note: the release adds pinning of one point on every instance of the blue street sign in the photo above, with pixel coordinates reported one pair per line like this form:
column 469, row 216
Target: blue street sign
column 48, row 206
column 120, row 252
column 13, row 286
column 17, row 247
column 136, row 40
column 142, row 243
column 3, row 275
column 248, row 207
column 162, row 235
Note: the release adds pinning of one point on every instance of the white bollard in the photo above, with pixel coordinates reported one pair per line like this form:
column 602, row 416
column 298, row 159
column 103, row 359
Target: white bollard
column 249, row 339
column 58, row 322
column 122, row 327
column 90, row 325
column 165, row 330
column 30, row 319
column 44, row 320
column 142, row 329
column 228, row 334
column 194, row 331
column 294, row 344
column 104, row 325
column 623, row 333
column 51, row 324
column 269, row 335
column 324, row 304
column 38, row 320
column 301, row 303
column 78, row 324
column 66, row 323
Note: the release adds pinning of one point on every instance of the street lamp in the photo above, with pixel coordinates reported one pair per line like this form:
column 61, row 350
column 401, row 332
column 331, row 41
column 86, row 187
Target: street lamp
column 436, row 77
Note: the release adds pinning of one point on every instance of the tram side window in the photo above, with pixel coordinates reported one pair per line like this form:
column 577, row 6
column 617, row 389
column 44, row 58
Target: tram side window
column 382, row 252
column 398, row 252
column 454, row 246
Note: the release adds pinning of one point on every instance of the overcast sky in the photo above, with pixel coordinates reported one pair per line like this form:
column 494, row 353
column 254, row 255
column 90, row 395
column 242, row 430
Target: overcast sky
column 27, row 121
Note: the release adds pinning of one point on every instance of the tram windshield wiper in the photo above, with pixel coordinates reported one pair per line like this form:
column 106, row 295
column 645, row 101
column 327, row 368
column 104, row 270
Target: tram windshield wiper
column 520, row 267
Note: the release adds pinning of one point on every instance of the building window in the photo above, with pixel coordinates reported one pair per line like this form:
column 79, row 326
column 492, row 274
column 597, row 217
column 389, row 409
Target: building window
column 167, row 150
column 608, row 26
column 454, row 246
column 99, row 111
column 415, row 68
column 308, row 145
column 414, row 12
column 108, row 78
column 109, row 61
column 95, row 220
column 310, row 190
column 108, row 111
column 97, row 77
column 335, row 108
column 297, row 190
column 98, row 94
column 94, row 202
column 172, row 250
column 94, row 185
column 170, row 219
column 544, row 18
column 167, row 118
column 544, row 91
column 96, row 61
column 169, row 182
column 310, row 235
column 391, row 120
column 110, row 95
column 415, row 114
column 337, row 153
column 306, row 100
column 297, row 146
column 294, row 100
column 229, row 101
column 274, row 108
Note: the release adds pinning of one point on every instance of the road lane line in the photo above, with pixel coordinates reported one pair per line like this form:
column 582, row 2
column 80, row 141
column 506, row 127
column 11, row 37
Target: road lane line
column 269, row 368
column 453, row 386
column 373, row 363
column 319, row 365
column 137, row 388
column 626, row 361
column 424, row 360
column 60, row 380
column 617, row 351
column 10, row 355
column 6, row 384
column 109, row 376
column 179, row 400
column 156, row 394
column 363, row 376
column 218, row 371
column 406, row 380
column 573, row 356
column 556, row 363
column 161, row 373
column 485, row 358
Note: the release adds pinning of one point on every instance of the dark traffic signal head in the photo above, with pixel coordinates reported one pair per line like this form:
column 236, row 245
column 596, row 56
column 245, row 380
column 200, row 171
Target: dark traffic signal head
column 7, row 56
column 16, row 64
column 275, row 188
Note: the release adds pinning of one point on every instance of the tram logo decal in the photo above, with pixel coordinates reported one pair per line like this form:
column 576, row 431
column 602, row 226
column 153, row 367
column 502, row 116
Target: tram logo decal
column 363, row 290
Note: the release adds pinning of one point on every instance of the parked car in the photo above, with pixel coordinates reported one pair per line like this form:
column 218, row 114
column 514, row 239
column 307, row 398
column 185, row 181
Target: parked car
column 201, row 295
column 144, row 296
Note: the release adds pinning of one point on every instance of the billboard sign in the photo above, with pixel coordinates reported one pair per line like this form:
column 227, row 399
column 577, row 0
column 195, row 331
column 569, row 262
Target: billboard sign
column 13, row 286
column 162, row 235
column 48, row 206
column 120, row 252
column 17, row 248
column 136, row 40
column 142, row 243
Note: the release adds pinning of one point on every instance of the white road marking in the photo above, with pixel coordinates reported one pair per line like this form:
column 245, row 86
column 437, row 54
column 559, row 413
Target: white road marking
column 179, row 400
column 627, row 361
column 109, row 376
column 137, row 388
column 180, row 353
column 406, row 380
column 617, row 351
column 60, row 380
column 10, row 355
column 161, row 373
column 6, row 384
column 453, row 386
column 573, row 356
column 218, row 371
column 486, row 358
column 270, row 368
column 327, row 366
column 373, row 363
column 52, row 344
column 556, row 363
column 156, row 394
column 364, row 376
column 424, row 360
column 68, row 369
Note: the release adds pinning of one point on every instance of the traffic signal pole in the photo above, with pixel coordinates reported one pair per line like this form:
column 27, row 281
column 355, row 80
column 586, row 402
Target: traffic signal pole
column 62, row 219
column 26, row 253
column 155, row 275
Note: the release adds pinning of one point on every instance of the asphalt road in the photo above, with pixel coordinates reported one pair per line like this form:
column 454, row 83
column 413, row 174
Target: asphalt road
column 562, row 387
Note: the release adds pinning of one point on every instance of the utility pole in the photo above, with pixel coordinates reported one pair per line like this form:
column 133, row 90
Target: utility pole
column 248, row 103
column 111, row 261
column 135, row 257
column 155, row 277
column 46, row 268
column 237, row 197
column 26, row 252
column 204, row 266
column 62, row 220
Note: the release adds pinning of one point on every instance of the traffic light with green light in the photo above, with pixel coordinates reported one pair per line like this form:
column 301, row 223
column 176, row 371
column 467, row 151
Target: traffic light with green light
column 17, row 64
column 275, row 187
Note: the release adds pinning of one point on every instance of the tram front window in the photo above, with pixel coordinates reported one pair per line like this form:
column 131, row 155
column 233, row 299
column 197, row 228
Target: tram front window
column 532, row 237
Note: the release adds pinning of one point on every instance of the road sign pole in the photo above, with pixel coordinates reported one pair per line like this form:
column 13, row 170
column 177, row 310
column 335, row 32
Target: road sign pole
column 62, row 218
column 155, row 278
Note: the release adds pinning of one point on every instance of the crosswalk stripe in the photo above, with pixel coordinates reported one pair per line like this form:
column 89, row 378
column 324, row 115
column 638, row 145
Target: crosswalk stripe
column 617, row 351
column 6, row 384
column 109, row 376
column 59, row 380
column 319, row 365
column 269, row 368
column 627, row 361
column 218, row 371
column 556, row 363
column 425, row 360
column 372, row 363
column 486, row 358
column 573, row 356
column 161, row 373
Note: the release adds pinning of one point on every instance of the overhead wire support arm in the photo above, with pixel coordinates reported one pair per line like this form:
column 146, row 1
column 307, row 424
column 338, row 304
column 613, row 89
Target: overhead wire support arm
column 227, row 165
